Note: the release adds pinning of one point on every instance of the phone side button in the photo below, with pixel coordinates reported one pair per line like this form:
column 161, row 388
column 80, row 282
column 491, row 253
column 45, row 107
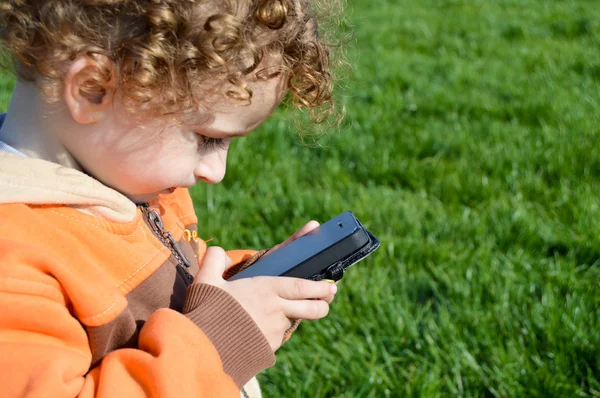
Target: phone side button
column 335, row 272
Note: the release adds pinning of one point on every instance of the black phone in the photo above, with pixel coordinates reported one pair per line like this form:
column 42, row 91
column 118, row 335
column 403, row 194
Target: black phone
column 324, row 253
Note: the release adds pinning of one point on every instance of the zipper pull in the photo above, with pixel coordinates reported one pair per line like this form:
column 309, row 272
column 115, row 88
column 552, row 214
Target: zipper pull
column 158, row 227
column 177, row 248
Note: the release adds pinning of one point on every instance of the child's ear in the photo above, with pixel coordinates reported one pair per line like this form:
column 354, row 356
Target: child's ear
column 89, row 88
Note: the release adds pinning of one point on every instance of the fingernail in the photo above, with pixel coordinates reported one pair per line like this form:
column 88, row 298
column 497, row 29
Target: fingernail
column 328, row 280
column 333, row 289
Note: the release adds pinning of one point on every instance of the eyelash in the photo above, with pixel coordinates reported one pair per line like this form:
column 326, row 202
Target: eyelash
column 212, row 143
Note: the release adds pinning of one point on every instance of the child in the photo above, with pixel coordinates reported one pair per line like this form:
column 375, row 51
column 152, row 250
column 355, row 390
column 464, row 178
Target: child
column 120, row 106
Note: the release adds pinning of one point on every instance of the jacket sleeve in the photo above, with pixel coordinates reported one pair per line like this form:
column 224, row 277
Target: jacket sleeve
column 44, row 349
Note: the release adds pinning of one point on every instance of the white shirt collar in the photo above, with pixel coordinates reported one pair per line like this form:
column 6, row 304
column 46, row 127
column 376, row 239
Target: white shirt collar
column 4, row 147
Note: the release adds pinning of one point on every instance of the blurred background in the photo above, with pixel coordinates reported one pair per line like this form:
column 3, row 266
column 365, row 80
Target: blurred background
column 471, row 147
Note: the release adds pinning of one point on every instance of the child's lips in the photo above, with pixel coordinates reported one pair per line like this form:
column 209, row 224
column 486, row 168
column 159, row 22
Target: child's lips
column 183, row 186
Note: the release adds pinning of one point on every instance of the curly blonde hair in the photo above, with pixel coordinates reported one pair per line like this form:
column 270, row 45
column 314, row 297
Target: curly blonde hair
column 163, row 53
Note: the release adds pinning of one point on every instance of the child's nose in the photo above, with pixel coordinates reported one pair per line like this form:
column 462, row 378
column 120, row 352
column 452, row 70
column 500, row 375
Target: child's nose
column 212, row 169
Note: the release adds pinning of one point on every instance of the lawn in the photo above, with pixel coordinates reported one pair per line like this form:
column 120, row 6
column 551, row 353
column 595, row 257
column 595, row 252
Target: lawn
column 471, row 147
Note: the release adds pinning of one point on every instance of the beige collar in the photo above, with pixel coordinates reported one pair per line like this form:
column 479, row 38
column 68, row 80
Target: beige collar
column 39, row 182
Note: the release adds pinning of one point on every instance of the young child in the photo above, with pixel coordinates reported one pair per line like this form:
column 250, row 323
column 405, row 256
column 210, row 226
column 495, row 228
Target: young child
column 119, row 107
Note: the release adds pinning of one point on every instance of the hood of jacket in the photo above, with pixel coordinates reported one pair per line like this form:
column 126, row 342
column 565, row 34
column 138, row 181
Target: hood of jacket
column 39, row 182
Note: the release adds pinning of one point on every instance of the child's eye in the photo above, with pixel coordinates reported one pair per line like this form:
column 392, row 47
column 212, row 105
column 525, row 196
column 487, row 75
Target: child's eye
column 213, row 143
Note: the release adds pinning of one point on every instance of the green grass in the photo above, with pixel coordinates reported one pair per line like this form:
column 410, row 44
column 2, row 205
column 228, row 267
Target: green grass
column 471, row 147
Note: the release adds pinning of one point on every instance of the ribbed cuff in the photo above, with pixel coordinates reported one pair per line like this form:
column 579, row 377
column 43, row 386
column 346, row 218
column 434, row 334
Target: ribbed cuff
column 243, row 348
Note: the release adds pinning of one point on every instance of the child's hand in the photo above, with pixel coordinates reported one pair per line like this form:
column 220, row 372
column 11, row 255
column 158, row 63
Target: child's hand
column 272, row 301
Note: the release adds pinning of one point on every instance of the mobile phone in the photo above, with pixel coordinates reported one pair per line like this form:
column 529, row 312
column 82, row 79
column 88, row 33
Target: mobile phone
column 324, row 253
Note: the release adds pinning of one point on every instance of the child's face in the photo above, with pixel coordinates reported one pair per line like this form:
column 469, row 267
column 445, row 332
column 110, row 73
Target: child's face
column 144, row 159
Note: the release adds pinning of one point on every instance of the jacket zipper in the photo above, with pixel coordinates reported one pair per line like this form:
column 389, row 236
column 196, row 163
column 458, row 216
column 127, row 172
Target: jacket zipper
column 155, row 223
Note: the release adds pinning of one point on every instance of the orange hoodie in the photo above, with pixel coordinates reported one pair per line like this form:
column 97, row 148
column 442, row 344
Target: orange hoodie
column 95, row 301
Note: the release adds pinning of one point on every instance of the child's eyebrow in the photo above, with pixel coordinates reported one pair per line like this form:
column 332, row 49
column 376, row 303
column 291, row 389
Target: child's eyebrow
column 232, row 134
column 237, row 134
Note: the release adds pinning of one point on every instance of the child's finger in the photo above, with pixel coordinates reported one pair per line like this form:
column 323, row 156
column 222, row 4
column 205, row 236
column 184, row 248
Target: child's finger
column 301, row 289
column 214, row 264
column 330, row 298
column 306, row 309
column 309, row 226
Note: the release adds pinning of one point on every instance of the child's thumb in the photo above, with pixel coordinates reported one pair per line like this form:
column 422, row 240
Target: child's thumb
column 213, row 265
